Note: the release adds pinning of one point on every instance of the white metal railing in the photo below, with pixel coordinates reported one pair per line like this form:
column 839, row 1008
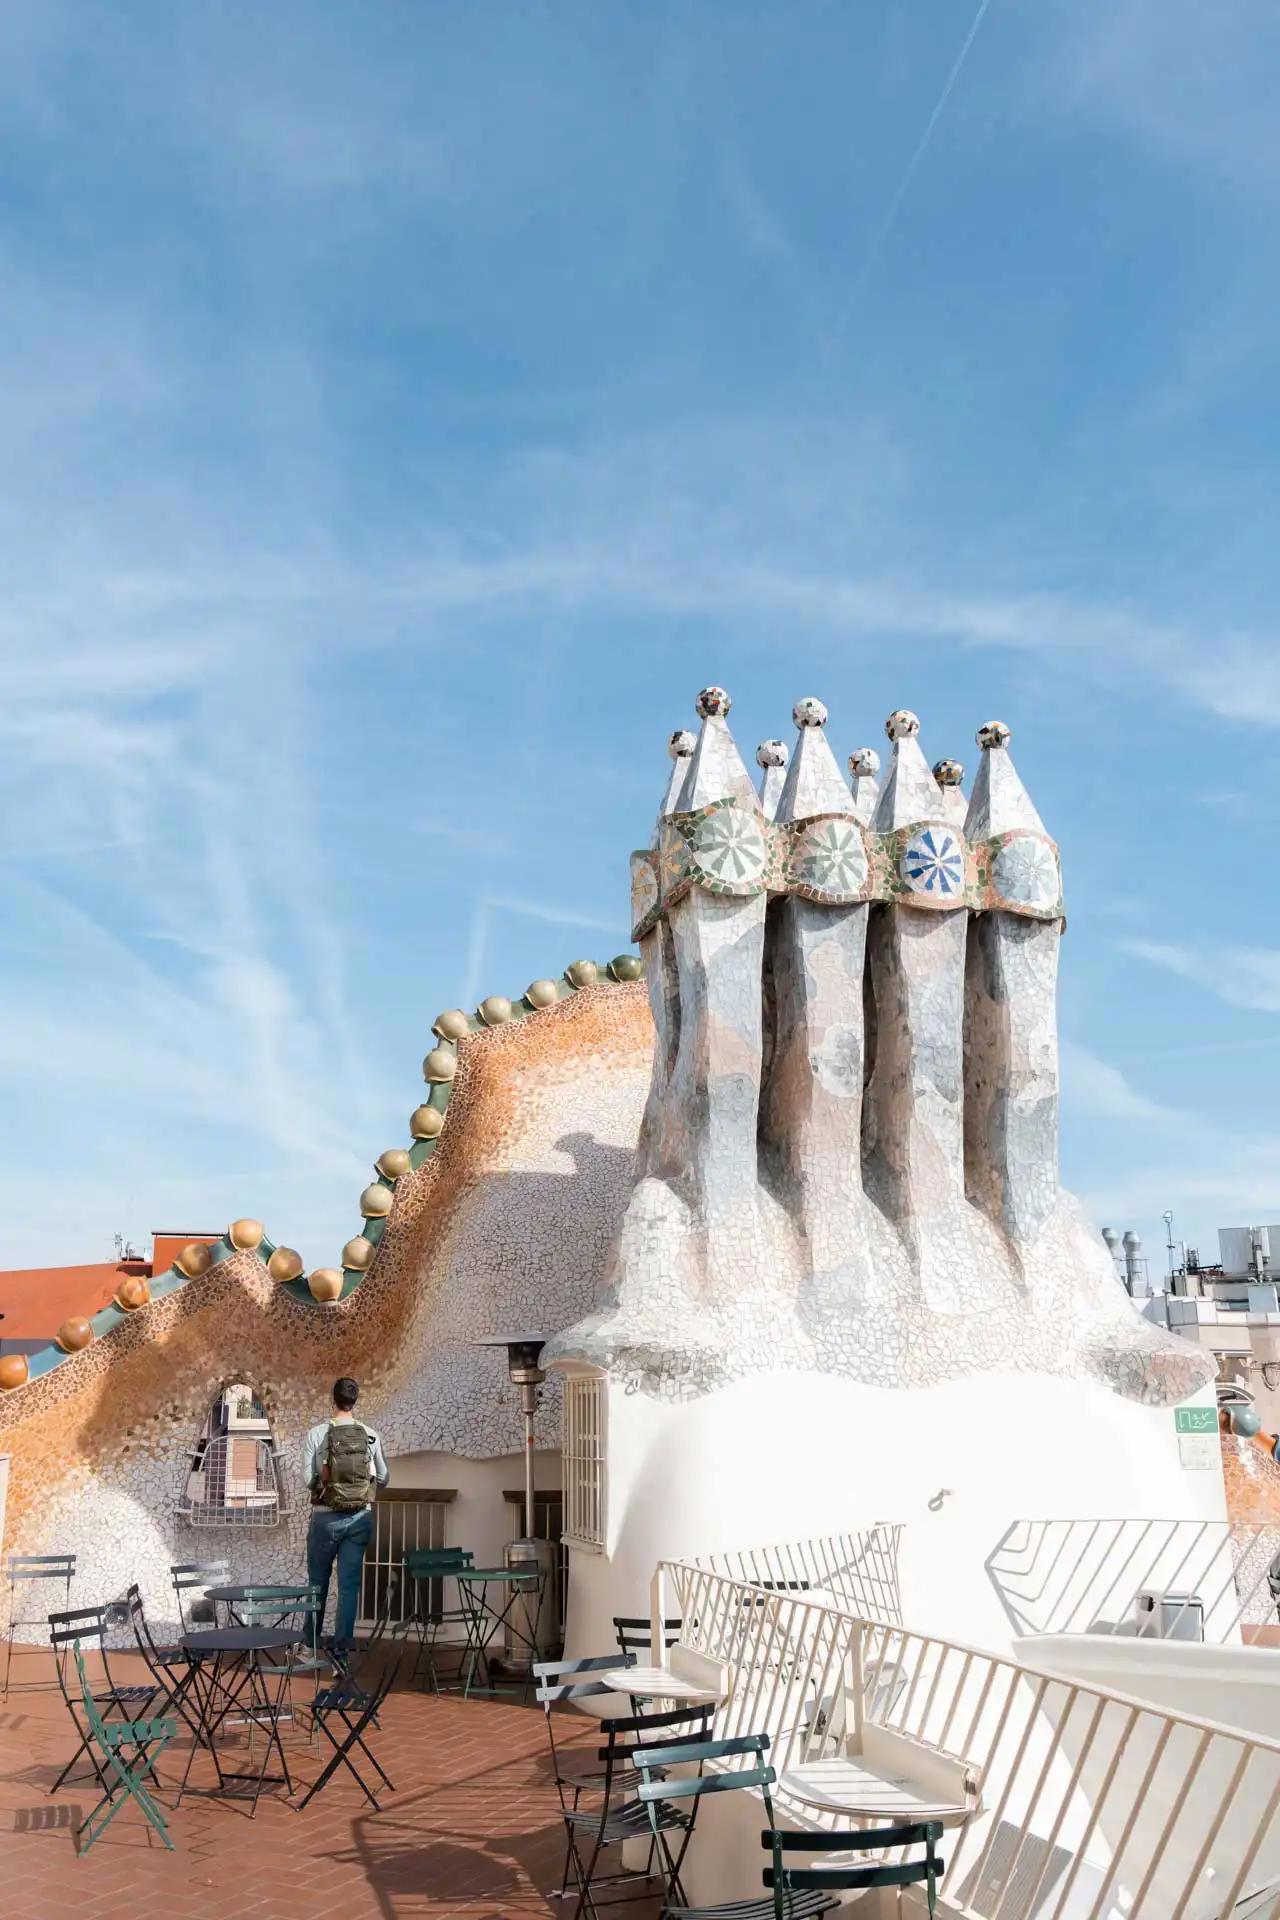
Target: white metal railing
column 1207, row 1579
column 1094, row 1806
column 859, row 1569
column 582, row 1461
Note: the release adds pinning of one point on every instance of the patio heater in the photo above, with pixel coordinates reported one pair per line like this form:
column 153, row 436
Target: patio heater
column 533, row 1625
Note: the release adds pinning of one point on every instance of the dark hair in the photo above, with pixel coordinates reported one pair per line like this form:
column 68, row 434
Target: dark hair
column 345, row 1394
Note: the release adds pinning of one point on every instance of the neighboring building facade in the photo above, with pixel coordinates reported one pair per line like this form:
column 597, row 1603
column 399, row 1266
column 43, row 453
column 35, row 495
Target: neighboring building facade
column 1229, row 1308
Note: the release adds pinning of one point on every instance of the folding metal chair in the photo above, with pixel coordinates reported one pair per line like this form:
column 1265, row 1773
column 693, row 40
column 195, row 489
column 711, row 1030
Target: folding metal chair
column 22, row 1569
column 427, row 1568
column 791, row 1884
column 570, row 1683
column 112, row 1739
column 755, row 1776
column 191, row 1579
column 635, row 1635
column 621, row 1815
column 86, row 1627
column 355, row 1709
column 168, row 1666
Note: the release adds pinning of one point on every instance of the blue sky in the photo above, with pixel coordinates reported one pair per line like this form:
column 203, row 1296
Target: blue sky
column 405, row 409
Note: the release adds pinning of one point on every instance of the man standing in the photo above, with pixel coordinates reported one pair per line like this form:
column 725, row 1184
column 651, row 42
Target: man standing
column 344, row 1466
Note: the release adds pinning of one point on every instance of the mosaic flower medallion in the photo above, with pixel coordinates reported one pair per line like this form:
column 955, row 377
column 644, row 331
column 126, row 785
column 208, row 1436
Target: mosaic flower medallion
column 1026, row 871
column 831, row 858
column 933, row 862
column 729, row 847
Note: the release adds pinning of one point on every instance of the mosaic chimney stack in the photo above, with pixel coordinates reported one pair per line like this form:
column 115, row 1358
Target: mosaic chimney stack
column 811, row 1118
column 914, row 1131
column 849, row 1157
column 1011, row 1025
column 715, row 836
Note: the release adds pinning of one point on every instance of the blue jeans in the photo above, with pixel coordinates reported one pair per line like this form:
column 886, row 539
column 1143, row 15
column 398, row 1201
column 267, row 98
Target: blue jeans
column 343, row 1537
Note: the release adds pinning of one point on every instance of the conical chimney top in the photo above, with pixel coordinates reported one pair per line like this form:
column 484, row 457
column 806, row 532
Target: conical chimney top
column 772, row 756
column 715, row 771
column 1000, row 802
column 864, row 767
column 910, row 792
column 813, row 783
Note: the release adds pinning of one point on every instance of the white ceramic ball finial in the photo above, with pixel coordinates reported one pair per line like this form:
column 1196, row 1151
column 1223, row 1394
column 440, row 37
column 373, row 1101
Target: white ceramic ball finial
column 713, row 703
column 682, row 743
column 948, row 773
column 809, row 713
column 993, row 734
column 864, row 763
column 901, row 723
column 772, row 753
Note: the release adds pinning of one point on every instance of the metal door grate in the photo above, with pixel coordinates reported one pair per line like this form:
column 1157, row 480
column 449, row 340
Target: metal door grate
column 403, row 1518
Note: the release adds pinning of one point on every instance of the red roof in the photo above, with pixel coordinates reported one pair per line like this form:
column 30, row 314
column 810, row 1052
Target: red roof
column 36, row 1300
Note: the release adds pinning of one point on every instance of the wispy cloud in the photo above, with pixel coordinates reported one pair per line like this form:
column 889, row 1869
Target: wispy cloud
column 1174, row 1156
column 1242, row 976
column 489, row 906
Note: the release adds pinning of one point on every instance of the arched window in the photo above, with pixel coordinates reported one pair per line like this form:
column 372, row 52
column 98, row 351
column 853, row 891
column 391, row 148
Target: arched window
column 233, row 1478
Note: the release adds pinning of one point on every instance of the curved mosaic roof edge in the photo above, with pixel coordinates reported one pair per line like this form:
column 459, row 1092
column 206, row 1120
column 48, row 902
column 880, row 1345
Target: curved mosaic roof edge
column 426, row 1127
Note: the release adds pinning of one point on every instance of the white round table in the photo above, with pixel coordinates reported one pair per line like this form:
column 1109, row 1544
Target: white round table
column 657, row 1683
column 842, row 1786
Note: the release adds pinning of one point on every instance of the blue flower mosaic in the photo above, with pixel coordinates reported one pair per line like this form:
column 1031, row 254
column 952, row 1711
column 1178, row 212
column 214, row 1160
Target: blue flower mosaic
column 933, row 862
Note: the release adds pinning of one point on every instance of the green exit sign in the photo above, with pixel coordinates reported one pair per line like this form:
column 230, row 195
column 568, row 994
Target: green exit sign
column 1195, row 1419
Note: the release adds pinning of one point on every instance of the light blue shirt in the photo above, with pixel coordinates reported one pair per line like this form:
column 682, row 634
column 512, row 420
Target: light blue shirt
column 315, row 1451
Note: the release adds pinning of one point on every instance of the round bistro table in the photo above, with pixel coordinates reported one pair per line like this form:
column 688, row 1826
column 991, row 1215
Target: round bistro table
column 228, row 1663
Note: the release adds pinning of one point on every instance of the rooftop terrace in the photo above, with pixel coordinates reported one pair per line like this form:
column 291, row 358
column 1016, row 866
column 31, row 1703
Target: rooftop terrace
column 473, row 1830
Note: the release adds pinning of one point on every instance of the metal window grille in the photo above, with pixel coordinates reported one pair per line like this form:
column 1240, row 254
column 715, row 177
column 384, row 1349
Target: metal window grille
column 233, row 1477
column 583, row 1461
column 403, row 1518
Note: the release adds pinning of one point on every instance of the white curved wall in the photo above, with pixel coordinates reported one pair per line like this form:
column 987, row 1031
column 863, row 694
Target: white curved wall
column 789, row 1455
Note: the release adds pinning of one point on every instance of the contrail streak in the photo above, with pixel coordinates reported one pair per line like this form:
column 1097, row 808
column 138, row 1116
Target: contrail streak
column 904, row 185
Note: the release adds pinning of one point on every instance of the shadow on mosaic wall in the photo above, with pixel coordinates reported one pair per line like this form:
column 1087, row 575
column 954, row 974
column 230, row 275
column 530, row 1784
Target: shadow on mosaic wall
column 849, row 1156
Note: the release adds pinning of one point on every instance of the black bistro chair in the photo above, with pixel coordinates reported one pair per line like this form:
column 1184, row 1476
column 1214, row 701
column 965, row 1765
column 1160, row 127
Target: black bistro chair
column 618, row 1814
column 22, row 1570
column 425, row 1571
column 794, row 1883
column 635, row 1634
column 752, row 1773
column 346, row 1713
column 191, row 1579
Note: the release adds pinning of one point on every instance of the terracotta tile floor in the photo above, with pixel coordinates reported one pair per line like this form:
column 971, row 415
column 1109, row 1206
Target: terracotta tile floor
column 472, row 1829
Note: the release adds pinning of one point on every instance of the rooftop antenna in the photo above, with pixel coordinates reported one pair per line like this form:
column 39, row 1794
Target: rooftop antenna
column 1167, row 1217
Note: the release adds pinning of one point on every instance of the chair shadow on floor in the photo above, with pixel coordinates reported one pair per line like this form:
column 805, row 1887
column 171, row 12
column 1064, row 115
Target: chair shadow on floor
column 50, row 1817
column 398, row 1860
